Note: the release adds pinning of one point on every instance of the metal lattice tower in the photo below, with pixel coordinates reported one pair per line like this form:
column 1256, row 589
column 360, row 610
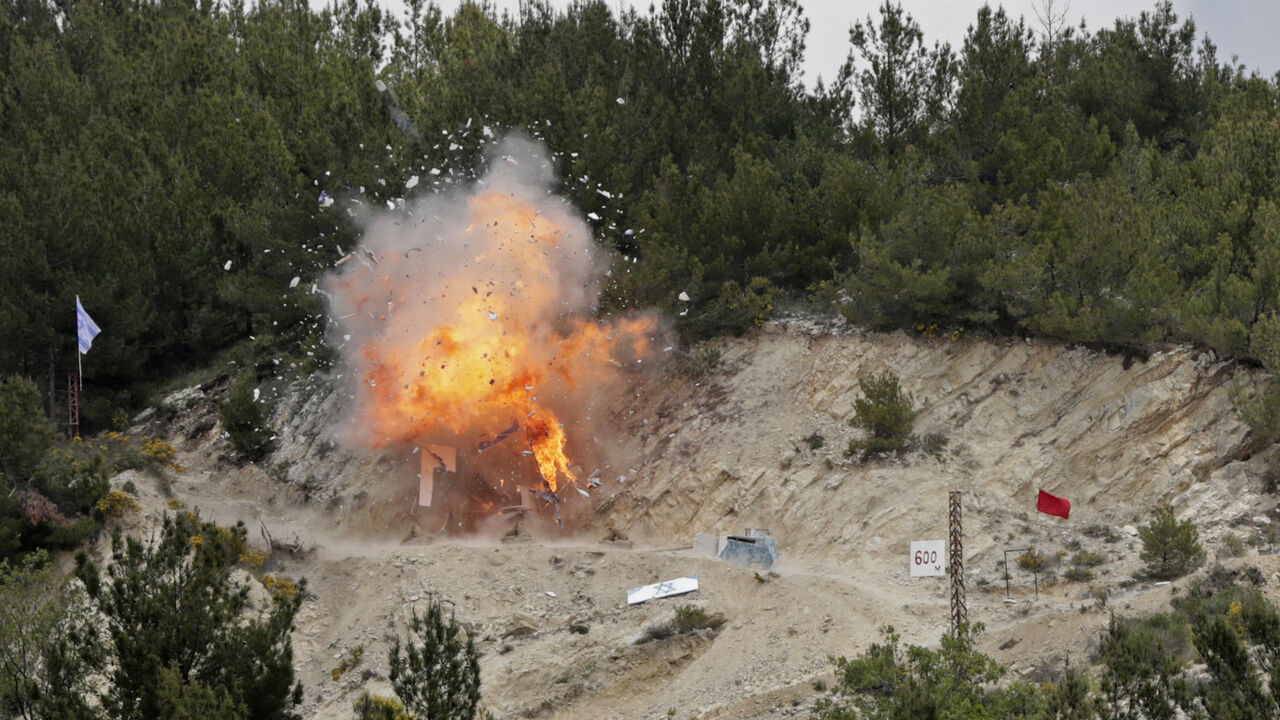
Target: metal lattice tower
column 955, row 565
column 73, row 405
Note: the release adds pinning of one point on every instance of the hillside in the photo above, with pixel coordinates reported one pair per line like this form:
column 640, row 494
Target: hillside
column 725, row 450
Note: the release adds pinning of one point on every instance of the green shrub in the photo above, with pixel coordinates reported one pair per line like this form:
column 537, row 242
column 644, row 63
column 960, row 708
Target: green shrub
column 885, row 412
column 1033, row 561
column 1232, row 546
column 1078, row 574
column 376, row 707
column 954, row 680
column 933, row 443
column 1103, row 532
column 244, row 420
column 117, row 503
column 687, row 619
column 691, row 617
column 1170, row 548
column 75, row 478
column 1088, row 558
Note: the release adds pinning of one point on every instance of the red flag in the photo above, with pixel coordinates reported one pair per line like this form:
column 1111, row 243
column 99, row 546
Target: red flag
column 1053, row 505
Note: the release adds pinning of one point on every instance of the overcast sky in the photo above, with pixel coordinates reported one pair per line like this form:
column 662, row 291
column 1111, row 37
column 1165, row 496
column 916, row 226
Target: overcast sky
column 1243, row 28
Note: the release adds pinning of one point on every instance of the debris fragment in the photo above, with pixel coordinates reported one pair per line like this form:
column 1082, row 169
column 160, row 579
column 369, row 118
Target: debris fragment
column 486, row 444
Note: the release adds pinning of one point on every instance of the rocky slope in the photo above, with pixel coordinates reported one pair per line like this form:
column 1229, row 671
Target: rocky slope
column 726, row 450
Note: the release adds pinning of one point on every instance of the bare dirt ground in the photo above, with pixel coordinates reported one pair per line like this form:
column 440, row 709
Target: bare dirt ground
column 725, row 450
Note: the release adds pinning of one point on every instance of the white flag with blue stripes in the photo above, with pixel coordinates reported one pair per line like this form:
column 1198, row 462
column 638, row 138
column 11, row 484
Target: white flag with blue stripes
column 86, row 328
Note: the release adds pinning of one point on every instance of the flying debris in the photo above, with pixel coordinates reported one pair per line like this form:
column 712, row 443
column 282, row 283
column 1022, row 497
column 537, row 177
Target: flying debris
column 487, row 444
column 683, row 296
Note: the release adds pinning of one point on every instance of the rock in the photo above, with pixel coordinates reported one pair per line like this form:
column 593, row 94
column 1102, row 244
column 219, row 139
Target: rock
column 519, row 630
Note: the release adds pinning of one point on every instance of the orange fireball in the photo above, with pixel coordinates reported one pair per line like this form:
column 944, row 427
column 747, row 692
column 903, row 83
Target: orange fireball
column 474, row 316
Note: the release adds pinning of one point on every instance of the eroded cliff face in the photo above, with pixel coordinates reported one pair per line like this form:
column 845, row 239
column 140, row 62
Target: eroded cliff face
column 727, row 450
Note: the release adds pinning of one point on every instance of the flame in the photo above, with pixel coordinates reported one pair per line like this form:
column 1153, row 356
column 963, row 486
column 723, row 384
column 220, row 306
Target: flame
column 472, row 321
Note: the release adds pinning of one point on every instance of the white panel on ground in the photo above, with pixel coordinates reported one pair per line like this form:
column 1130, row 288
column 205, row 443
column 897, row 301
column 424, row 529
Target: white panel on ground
column 679, row 586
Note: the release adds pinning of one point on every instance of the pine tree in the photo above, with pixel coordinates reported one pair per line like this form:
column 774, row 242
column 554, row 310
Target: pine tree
column 434, row 672
column 1170, row 548
column 183, row 636
column 886, row 414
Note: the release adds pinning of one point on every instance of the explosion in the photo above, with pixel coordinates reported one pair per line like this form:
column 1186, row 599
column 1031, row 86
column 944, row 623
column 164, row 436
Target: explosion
column 468, row 322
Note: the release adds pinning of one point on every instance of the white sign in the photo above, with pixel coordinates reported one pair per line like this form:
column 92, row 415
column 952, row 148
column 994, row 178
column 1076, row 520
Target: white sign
column 679, row 586
column 928, row 558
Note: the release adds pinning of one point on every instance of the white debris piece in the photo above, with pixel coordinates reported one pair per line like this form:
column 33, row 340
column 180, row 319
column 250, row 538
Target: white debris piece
column 256, row 391
column 412, row 183
column 294, row 282
column 683, row 296
column 593, row 216
column 227, row 266
column 622, row 101
column 382, row 87
column 679, row 586
column 583, row 493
